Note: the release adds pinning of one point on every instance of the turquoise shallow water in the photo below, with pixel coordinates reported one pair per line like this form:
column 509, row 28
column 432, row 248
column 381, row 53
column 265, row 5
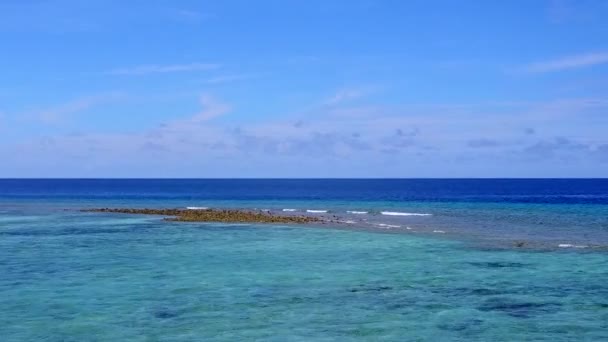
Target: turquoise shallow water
column 69, row 276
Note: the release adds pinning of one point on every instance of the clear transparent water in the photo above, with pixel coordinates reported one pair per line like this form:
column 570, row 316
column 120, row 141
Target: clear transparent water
column 67, row 276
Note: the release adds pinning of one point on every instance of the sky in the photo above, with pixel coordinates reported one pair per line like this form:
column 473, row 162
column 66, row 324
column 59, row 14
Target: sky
column 295, row 88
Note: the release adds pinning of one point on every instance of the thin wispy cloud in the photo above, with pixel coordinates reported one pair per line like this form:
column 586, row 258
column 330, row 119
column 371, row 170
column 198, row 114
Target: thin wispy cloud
column 189, row 14
column 162, row 69
column 568, row 63
column 229, row 78
column 212, row 108
column 63, row 111
column 482, row 143
column 575, row 11
column 348, row 94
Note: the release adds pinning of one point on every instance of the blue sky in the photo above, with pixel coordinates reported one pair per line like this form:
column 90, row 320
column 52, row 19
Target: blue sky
column 300, row 88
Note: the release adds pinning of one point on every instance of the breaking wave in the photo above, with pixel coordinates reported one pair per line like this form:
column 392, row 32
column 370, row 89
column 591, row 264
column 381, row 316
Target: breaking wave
column 398, row 213
column 384, row 225
column 568, row 245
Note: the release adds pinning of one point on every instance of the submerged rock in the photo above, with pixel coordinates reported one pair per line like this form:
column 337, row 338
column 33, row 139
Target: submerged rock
column 518, row 307
column 165, row 313
column 520, row 244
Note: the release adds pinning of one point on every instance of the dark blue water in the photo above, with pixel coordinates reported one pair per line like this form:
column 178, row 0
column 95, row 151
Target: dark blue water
column 557, row 191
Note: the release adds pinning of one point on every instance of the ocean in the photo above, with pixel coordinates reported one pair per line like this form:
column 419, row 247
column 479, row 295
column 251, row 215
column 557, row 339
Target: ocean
column 411, row 260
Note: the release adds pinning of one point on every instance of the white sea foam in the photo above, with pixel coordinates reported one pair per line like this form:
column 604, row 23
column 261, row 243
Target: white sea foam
column 290, row 210
column 348, row 222
column 197, row 208
column 439, row 231
column 316, row 211
column 398, row 213
column 356, row 212
column 568, row 245
column 384, row 225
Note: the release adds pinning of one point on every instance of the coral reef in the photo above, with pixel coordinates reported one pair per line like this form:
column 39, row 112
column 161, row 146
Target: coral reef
column 213, row 215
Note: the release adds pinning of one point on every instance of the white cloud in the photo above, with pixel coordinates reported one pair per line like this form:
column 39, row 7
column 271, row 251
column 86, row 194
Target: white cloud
column 569, row 62
column 158, row 69
column 412, row 134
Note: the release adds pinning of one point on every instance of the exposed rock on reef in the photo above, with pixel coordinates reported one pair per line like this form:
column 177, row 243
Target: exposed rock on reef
column 212, row 215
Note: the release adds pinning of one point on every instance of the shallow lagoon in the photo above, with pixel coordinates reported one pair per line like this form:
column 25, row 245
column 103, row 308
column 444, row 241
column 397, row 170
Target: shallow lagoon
column 67, row 276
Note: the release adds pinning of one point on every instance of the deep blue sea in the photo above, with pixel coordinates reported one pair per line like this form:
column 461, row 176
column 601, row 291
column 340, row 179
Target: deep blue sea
column 410, row 260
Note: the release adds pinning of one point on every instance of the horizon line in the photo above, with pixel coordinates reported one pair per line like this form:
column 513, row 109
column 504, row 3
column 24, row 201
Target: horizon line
column 296, row 178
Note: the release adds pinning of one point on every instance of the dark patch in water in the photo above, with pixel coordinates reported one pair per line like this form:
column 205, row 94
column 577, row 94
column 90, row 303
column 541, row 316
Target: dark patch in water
column 498, row 264
column 467, row 291
column 486, row 292
column 63, row 232
column 298, row 300
column 463, row 325
column 262, row 293
column 371, row 289
column 516, row 308
column 401, row 305
column 164, row 313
